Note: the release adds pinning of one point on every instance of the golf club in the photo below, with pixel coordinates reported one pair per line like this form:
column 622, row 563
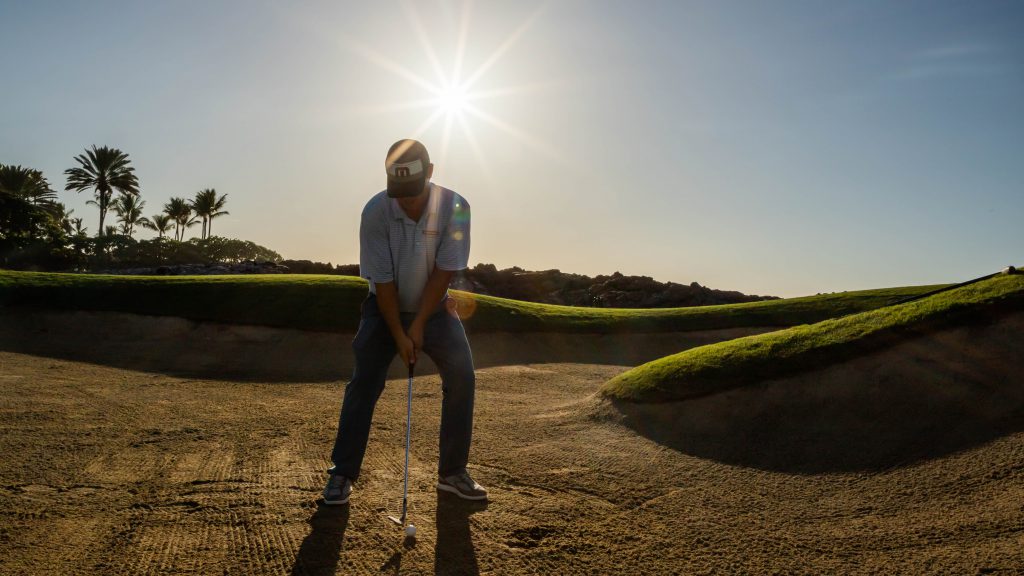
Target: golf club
column 410, row 530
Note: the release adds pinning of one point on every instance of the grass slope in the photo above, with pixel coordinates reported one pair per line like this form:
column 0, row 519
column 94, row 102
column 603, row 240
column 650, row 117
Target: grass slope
column 735, row 363
column 331, row 303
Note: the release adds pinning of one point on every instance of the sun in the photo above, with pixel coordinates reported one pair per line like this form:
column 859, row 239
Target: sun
column 453, row 100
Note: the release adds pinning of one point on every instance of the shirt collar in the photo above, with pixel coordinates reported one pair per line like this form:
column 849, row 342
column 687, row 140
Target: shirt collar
column 398, row 214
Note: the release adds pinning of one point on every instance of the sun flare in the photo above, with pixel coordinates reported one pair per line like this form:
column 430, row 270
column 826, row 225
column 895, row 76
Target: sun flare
column 453, row 99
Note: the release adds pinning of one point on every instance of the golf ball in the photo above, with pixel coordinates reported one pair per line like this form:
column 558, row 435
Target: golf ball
column 410, row 531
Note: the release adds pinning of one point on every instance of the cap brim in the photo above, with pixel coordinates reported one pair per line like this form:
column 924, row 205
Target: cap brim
column 406, row 189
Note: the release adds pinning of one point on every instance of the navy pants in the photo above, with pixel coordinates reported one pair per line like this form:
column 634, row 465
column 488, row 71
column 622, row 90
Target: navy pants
column 444, row 340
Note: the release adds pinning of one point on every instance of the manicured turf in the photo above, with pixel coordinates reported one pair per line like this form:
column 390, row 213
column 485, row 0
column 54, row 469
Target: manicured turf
column 313, row 302
column 744, row 361
column 331, row 303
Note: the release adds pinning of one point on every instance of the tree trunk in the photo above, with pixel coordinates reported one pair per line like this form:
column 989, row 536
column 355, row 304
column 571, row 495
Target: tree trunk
column 104, row 202
column 103, row 212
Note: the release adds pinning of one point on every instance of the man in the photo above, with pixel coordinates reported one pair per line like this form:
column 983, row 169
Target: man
column 413, row 237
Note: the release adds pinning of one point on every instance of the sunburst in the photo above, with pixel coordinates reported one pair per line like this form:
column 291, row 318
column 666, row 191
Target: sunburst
column 452, row 98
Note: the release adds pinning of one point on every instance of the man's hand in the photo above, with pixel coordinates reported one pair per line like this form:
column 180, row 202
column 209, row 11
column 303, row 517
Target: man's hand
column 406, row 349
column 387, row 302
column 437, row 284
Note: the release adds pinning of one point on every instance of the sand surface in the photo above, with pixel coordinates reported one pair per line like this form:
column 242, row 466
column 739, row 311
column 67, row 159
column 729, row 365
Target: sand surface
column 108, row 470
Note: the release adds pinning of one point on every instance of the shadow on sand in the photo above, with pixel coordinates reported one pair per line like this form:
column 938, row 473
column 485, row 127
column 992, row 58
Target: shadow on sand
column 454, row 553
column 394, row 563
column 921, row 399
column 321, row 549
column 202, row 350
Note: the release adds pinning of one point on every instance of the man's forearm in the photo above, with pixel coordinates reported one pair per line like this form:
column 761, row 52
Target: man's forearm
column 387, row 303
column 436, row 286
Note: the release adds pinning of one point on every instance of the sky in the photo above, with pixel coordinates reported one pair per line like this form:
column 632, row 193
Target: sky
column 784, row 147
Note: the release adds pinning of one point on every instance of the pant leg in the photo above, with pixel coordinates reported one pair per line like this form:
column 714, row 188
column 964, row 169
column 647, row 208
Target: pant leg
column 444, row 340
column 374, row 350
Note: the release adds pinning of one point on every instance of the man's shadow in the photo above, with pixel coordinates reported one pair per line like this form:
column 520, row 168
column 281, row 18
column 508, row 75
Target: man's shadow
column 454, row 553
column 321, row 549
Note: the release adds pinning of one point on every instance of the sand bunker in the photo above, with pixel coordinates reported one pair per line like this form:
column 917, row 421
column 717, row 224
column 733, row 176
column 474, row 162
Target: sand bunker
column 930, row 396
column 252, row 353
column 105, row 470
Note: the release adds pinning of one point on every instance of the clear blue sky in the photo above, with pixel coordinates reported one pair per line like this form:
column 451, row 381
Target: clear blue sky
column 770, row 147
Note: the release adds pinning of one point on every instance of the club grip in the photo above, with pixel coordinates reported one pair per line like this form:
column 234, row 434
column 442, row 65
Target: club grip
column 412, row 366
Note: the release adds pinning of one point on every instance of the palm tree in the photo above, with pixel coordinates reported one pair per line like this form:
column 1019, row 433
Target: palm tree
column 179, row 211
column 207, row 205
column 105, row 170
column 66, row 221
column 71, row 226
column 218, row 204
column 201, row 205
column 160, row 223
column 79, row 229
column 29, row 185
column 129, row 213
column 192, row 221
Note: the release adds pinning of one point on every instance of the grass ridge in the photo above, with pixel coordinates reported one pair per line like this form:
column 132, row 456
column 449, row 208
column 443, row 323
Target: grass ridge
column 735, row 363
column 331, row 304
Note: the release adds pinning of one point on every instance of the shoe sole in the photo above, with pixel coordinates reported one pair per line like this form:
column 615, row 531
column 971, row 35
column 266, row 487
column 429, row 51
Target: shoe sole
column 454, row 490
column 335, row 502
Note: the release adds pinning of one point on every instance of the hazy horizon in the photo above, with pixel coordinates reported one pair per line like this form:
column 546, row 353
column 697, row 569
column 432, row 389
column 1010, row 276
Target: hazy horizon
column 783, row 148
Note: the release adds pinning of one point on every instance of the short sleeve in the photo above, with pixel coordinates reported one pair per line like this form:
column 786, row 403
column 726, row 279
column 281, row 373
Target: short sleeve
column 374, row 246
column 453, row 253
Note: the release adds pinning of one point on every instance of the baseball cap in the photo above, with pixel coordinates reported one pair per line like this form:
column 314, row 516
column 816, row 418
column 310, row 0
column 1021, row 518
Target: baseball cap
column 406, row 164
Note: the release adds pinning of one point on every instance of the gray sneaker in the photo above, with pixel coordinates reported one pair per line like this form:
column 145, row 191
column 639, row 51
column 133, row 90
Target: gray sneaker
column 338, row 489
column 462, row 486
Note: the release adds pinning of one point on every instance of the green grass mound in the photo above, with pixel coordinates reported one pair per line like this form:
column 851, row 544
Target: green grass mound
column 743, row 361
column 331, row 303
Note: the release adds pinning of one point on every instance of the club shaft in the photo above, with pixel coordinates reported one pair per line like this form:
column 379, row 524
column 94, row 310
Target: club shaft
column 408, row 436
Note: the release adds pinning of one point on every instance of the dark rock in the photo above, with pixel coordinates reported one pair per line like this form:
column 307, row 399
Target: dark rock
column 546, row 286
column 615, row 291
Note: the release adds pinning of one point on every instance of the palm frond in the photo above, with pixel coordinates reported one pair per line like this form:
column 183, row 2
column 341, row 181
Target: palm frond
column 28, row 184
column 104, row 170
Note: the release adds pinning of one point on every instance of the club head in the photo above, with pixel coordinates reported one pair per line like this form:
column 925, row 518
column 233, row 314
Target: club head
column 398, row 521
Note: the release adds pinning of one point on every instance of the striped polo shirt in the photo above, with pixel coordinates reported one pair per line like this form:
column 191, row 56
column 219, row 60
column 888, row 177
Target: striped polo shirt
column 394, row 248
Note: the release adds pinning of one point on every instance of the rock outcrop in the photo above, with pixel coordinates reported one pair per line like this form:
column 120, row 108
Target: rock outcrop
column 614, row 291
column 547, row 286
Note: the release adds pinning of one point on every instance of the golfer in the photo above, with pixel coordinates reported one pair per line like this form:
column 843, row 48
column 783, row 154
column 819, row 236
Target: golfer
column 412, row 238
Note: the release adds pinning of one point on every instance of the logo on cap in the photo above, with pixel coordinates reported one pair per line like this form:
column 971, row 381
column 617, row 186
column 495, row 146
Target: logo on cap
column 406, row 171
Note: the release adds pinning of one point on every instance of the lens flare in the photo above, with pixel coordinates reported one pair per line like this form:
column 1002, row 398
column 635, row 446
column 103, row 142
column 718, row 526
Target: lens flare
column 462, row 305
column 453, row 99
